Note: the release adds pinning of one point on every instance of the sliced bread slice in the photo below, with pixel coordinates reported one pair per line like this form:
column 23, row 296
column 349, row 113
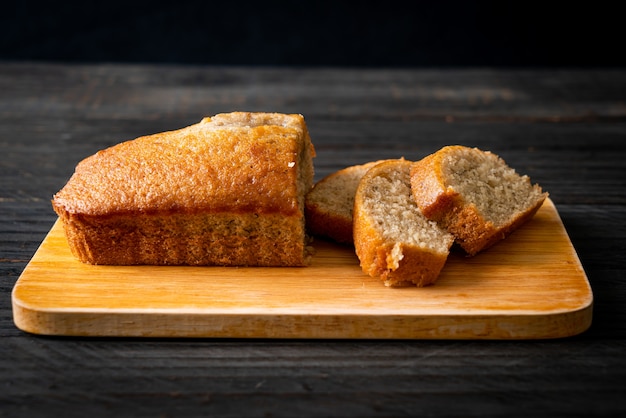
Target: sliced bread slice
column 474, row 194
column 328, row 206
column 392, row 238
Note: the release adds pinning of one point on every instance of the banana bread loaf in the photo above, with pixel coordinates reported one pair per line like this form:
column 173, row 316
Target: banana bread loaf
column 228, row 190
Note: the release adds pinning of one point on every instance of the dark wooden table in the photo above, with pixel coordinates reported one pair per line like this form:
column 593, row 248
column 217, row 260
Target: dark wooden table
column 565, row 128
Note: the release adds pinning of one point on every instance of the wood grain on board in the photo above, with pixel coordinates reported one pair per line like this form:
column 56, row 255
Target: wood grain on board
column 531, row 285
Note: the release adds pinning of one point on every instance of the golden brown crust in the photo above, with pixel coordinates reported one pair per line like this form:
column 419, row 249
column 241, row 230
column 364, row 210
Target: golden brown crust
column 186, row 239
column 187, row 196
column 328, row 224
column 396, row 263
column 206, row 167
column 442, row 203
column 428, row 185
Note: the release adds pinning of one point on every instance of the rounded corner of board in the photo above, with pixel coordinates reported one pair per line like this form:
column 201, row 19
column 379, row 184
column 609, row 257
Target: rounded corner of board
column 29, row 319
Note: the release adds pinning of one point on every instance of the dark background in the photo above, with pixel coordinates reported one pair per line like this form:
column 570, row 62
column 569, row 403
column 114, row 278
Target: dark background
column 301, row 33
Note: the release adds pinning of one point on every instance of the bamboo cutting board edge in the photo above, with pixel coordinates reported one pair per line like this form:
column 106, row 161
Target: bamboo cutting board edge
column 57, row 295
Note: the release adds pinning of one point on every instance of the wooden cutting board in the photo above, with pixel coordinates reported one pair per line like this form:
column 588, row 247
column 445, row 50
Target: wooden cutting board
column 530, row 286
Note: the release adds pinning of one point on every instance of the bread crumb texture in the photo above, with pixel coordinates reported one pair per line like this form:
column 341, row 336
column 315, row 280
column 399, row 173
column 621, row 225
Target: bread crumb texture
column 474, row 194
column 392, row 238
column 330, row 203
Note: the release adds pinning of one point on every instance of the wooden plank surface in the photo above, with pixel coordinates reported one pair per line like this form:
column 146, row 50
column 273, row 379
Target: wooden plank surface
column 531, row 285
column 563, row 127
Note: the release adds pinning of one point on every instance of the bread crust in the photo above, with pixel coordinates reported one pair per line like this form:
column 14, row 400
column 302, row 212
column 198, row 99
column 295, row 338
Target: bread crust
column 439, row 201
column 226, row 185
column 396, row 263
column 331, row 225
